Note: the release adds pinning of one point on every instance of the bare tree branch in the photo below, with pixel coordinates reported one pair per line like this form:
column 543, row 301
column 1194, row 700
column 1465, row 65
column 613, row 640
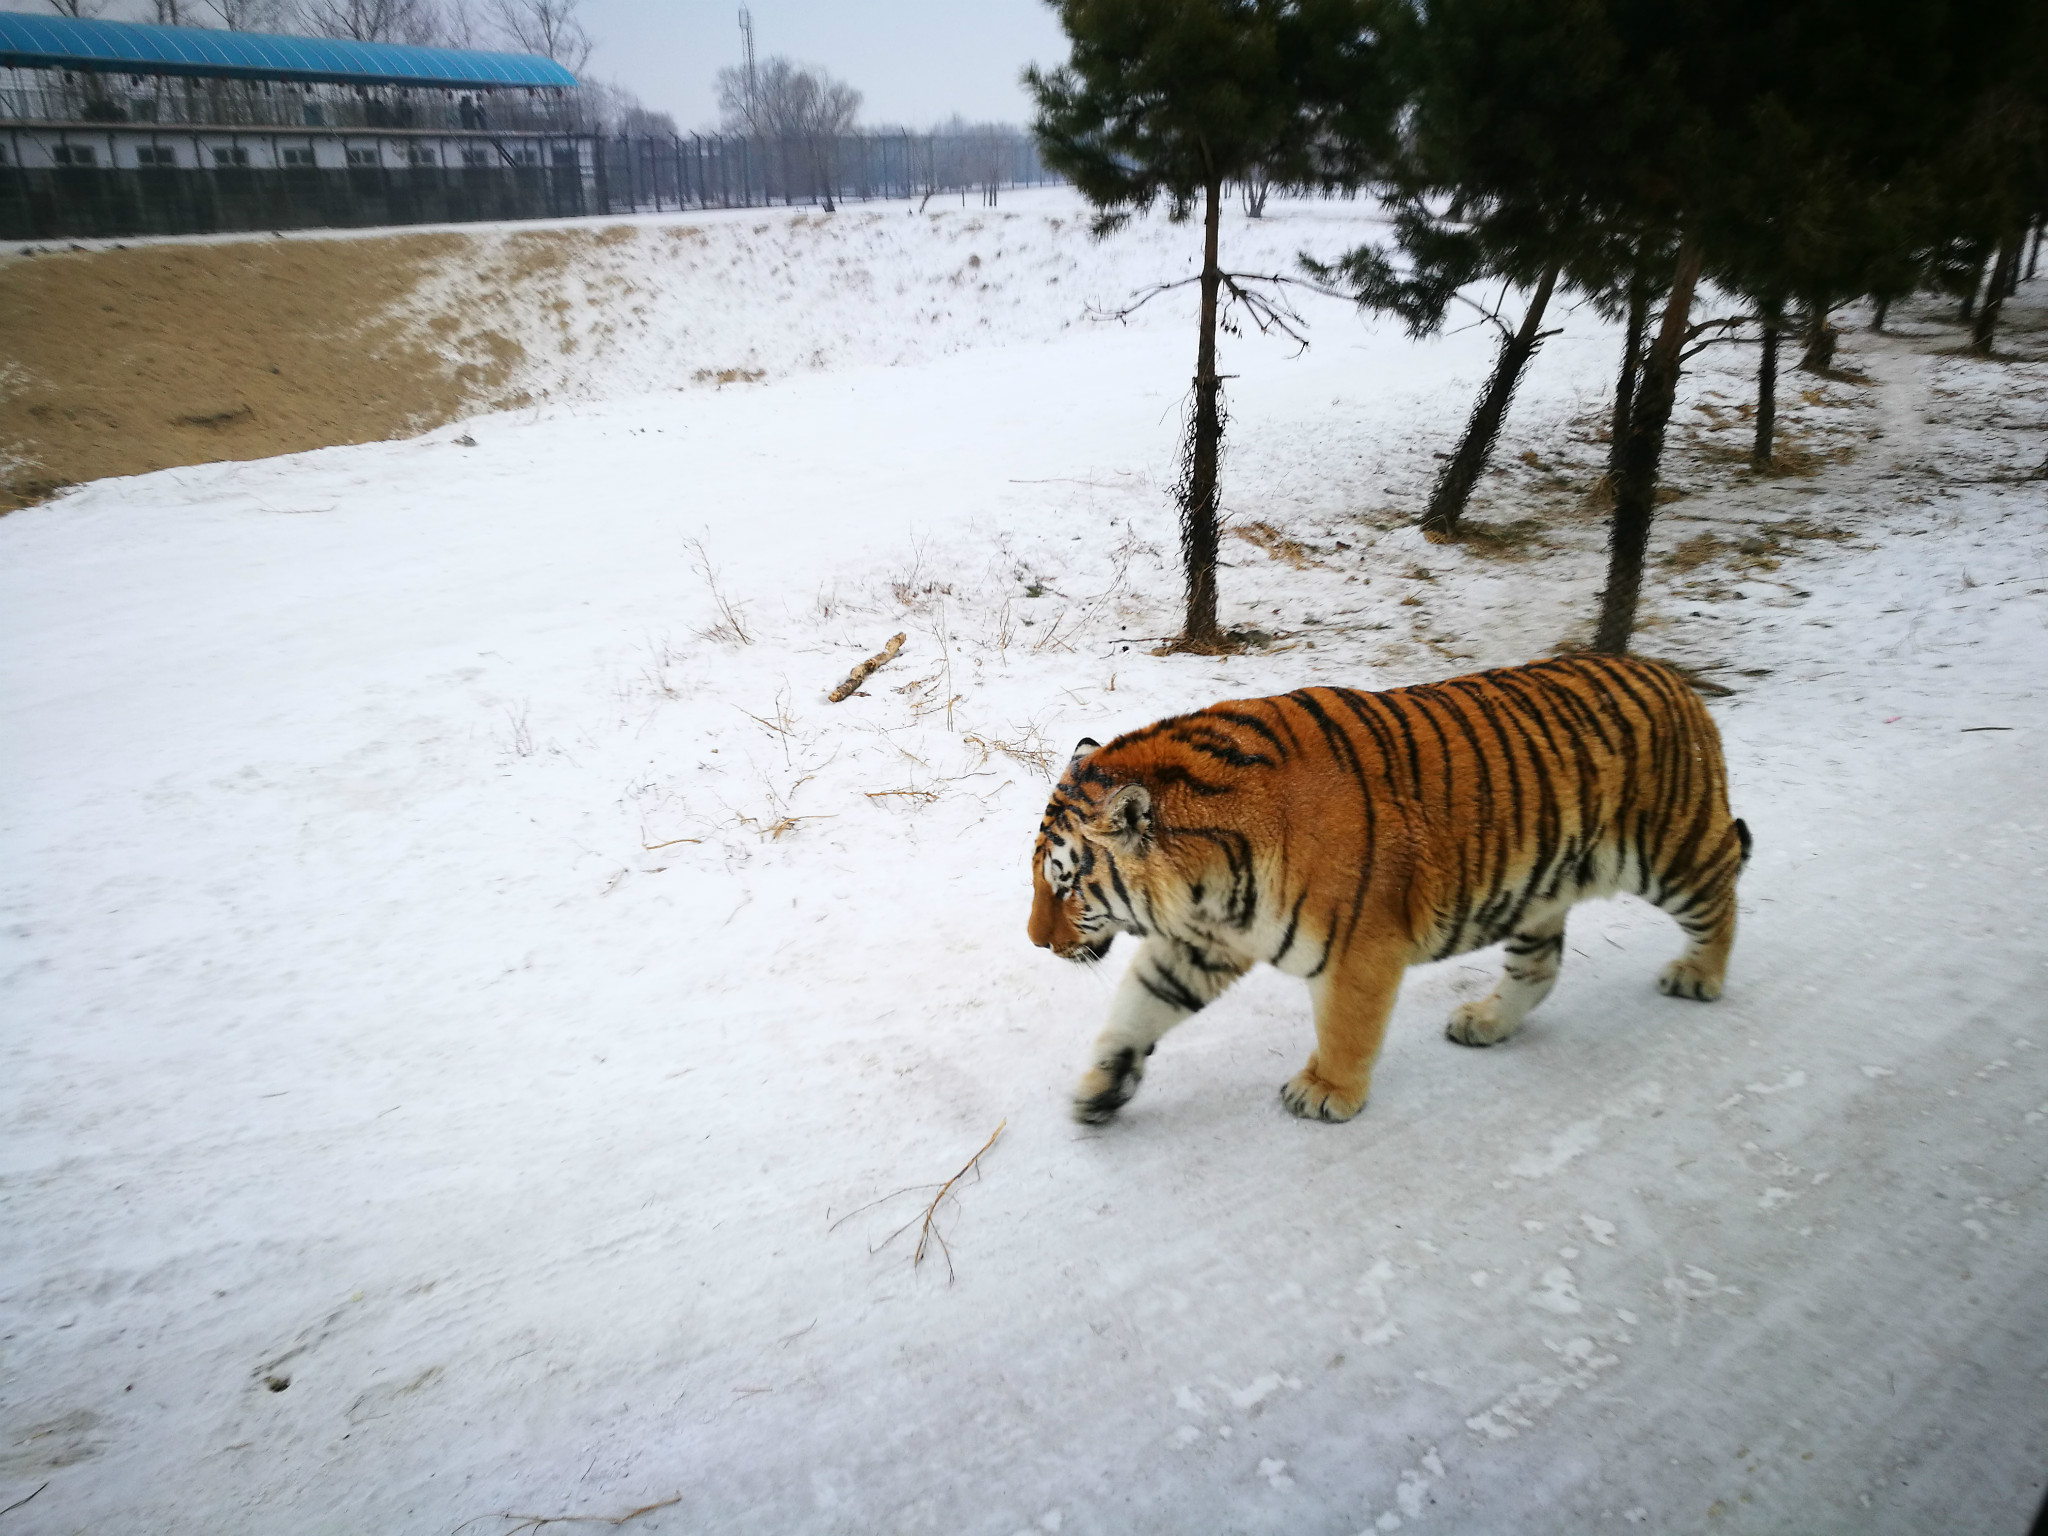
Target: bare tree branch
column 547, row 27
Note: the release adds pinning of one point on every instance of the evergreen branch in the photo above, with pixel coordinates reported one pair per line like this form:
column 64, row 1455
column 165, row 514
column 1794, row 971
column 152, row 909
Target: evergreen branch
column 1490, row 316
column 1145, row 296
column 1723, row 326
column 1266, row 314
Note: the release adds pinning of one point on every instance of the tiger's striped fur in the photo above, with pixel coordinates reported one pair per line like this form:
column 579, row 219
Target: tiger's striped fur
column 1344, row 836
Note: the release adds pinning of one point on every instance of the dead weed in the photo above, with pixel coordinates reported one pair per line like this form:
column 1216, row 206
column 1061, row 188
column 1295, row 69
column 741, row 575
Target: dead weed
column 1277, row 545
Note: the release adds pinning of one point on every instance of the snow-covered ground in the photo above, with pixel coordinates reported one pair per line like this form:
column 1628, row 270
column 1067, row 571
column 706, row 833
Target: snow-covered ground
column 477, row 1025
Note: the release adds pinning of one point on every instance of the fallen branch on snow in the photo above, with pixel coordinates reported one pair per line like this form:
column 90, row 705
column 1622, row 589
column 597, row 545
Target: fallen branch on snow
column 866, row 669
column 929, row 1233
column 536, row 1522
column 10, row 1509
column 927, row 1223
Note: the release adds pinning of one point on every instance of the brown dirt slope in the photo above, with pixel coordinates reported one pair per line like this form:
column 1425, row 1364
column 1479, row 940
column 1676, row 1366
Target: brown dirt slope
column 116, row 362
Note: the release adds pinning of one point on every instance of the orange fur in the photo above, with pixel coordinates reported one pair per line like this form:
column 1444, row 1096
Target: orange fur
column 1344, row 836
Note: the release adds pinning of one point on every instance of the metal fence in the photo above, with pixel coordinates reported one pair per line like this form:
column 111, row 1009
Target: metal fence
column 107, row 180
column 716, row 171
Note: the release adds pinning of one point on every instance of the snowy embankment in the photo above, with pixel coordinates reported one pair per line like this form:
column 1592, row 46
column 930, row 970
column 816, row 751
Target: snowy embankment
column 466, row 998
column 723, row 297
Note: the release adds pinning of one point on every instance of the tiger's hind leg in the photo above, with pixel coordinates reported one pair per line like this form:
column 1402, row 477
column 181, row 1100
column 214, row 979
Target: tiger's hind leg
column 1534, row 951
column 1705, row 908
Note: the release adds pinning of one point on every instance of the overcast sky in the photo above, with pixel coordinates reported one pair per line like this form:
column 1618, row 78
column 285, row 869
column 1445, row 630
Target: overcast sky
column 915, row 61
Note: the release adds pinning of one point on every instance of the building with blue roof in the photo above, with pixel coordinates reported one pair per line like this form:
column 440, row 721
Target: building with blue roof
column 113, row 128
column 127, row 48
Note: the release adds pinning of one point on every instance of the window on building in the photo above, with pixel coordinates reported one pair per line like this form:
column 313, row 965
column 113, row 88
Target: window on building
column 419, row 154
column 235, row 156
column 155, row 154
column 363, row 157
column 75, row 154
column 299, row 157
column 476, row 157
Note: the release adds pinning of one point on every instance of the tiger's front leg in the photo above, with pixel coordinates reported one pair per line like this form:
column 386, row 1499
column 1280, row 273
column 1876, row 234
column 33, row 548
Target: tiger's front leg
column 1166, row 983
column 1353, row 999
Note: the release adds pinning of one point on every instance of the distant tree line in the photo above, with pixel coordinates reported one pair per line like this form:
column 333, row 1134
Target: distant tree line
column 1798, row 155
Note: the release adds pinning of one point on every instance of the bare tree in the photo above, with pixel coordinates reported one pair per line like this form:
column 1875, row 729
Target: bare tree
column 640, row 121
column 801, row 104
column 241, row 15
column 599, row 106
column 460, row 25
column 81, row 10
column 790, row 101
column 372, row 21
column 548, row 27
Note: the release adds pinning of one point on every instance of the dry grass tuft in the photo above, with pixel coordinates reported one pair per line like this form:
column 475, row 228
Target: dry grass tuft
column 1520, row 540
column 1031, row 752
column 1798, row 528
column 730, row 627
column 1694, row 552
column 1277, row 545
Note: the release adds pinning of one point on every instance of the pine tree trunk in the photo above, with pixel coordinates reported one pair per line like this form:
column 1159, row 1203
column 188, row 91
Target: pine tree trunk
column 1766, row 397
column 1198, row 532
column 1635, row 492
column 1462, row 470
column 2034, row 255
column 1819, row 356
column 1884, row 306
column 1631, row 365
column 1969, row 309
column 1986, row 330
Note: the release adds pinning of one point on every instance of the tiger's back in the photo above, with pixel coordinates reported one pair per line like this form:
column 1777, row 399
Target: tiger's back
column 1342, row 835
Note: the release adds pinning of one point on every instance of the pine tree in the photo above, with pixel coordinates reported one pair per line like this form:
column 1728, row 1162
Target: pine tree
column 2004, row 158
column 1763, row 446
column 1439, row 249
column 1688, row 126
column 1173, row 99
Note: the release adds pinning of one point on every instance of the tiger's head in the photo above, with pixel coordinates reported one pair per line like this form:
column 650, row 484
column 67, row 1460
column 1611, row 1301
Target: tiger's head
column 1083, row 866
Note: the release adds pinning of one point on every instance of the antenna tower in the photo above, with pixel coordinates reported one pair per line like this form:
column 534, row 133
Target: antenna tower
column 747, row 37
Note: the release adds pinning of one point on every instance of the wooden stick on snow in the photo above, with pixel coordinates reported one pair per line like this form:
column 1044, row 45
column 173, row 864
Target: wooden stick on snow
column 861, row 673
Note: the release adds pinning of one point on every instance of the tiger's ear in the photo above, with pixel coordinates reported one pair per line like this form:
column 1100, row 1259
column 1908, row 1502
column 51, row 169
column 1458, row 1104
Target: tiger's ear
column 1125, row 820
column 1082, row 748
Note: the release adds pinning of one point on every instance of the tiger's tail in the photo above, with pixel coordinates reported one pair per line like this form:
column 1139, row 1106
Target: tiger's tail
column 1742, row 836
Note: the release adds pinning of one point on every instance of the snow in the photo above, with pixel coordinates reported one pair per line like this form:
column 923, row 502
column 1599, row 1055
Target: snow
column 433, row 1090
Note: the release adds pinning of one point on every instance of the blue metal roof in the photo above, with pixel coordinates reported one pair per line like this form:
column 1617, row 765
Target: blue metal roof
column 119, row 47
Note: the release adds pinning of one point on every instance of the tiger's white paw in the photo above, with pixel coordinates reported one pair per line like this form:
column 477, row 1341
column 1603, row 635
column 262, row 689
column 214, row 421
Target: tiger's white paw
column 1308, row 1096
column 1107, row 1087
column 1480, row 1023
column 1683, row 978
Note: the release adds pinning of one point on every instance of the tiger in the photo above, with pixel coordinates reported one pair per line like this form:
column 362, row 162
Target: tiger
column 1342, row 836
